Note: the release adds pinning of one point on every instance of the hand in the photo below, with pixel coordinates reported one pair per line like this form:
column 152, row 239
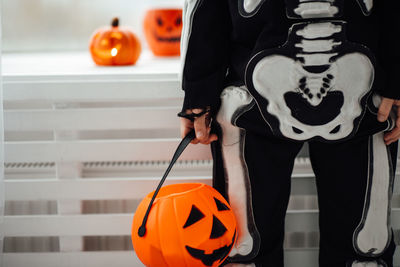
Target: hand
column 384, row 110
column 201, row 126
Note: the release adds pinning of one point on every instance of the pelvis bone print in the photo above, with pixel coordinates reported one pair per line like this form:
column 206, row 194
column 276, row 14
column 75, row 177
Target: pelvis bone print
column 315, row 86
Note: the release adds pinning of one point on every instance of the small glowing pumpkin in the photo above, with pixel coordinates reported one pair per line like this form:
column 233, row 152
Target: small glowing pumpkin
column 162, row 28
column 115, row 46
column 188, row 225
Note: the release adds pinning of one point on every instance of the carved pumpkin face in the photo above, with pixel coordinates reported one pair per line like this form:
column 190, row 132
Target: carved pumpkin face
column 188, row 225
column 115, row 46
column 162, row 28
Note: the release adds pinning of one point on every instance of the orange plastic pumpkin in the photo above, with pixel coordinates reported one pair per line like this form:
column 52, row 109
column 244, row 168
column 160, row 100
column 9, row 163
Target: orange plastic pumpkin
column 115, row 46
column 188, row 225
column 162, row 28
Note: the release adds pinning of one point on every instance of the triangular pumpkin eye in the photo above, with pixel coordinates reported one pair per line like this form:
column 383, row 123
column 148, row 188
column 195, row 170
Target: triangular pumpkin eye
column 220, row 206
column 218, row 229
column 194, row 216
column 160, row 21
column 178, row 21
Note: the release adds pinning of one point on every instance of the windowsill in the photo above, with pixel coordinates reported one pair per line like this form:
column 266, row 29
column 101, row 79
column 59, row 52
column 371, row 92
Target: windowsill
column 79, row 65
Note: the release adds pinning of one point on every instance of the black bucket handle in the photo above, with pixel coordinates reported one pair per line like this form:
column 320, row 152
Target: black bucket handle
column 183, row 144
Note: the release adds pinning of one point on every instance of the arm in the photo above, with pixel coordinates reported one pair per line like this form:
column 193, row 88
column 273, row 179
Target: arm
column 205, row 52
column 389, row 49
column 389, row 56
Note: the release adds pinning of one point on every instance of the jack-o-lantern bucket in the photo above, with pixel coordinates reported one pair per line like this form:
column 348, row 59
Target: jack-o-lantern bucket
column 189, row 225
column 162, row 28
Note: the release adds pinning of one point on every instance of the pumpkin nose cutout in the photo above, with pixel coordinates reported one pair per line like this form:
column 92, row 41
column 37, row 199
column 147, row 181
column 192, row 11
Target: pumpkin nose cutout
column 218, row 229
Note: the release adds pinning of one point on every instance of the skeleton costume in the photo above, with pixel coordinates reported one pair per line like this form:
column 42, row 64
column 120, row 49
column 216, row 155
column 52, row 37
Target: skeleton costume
column 276, row 74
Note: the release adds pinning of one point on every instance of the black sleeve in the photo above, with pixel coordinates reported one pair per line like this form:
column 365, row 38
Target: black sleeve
column 205, row 51
column 389, row 46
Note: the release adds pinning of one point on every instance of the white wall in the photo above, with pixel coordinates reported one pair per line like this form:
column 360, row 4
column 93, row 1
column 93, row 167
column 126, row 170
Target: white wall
column 59, row 25
column 1, row 157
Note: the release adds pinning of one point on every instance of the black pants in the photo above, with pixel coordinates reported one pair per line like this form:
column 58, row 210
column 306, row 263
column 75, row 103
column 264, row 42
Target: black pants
column 346, row 190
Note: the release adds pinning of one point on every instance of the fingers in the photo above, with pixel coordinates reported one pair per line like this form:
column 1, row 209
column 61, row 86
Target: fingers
column 212, row 138
column 384, row 109
column 186, row 127
column 394, row 134
column 201, row 126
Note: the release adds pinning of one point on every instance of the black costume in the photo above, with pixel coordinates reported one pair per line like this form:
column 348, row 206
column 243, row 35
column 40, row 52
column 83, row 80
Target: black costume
column 277, row 73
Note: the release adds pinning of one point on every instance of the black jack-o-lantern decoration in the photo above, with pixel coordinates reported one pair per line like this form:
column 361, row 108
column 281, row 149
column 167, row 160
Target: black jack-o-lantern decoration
column 189, row 225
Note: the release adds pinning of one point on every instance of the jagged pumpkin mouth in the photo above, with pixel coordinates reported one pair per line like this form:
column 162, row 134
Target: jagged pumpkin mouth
column 173, row 39
column 217, row 254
